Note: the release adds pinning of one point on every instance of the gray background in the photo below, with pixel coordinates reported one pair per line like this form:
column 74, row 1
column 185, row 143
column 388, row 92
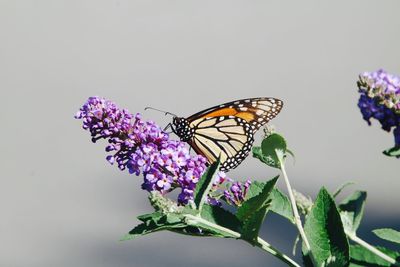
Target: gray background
column 61, row 203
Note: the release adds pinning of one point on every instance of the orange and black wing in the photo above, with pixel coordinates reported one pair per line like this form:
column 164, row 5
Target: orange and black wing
column 255, row 111
column 227, row 137
column 227, row 131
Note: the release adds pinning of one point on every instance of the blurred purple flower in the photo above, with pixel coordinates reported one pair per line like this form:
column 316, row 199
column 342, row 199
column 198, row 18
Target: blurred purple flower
column 396, row 133
column 381, row 82
column 237, row 192
column 142, row 147
column 380, row 100
column 233, row 193
column 219, row 184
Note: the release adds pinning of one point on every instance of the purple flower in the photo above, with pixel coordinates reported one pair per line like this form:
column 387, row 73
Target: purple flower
column 396, row 133
column 219, row 184
column 142, row 147
column 185, row 196
column 371, row 108
column 164, row 183
column 236, row 194
column 380, row 100
column 381, row 82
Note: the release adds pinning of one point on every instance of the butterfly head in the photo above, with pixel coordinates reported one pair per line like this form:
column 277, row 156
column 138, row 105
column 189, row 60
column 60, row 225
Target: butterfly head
column 180, row 126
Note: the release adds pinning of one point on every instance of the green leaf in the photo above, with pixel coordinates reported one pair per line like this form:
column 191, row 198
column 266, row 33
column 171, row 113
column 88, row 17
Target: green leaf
column 251, row 227
column 307, row 261
column 325, row 232
column 143, row 229
column 280, row 204
column 139, row 230
column 352, row 210
column 388, row 234
column 254, row 189
column 253, row 204
column 194, row 231
column 361, row 256
column 154, row 222
column 220, row 216
column 209, row 214
column 340, row 188
column 155, row 216
column 209, row 230
column 172, row 218
column 333, row 262
column 252, row 212
column 216, row 221
column 257, row 153
column 392, row 152
column 269, row 147
column 204, row 185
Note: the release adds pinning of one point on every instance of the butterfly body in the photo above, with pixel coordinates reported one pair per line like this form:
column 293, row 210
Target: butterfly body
column 182, row 129
column 226, row 131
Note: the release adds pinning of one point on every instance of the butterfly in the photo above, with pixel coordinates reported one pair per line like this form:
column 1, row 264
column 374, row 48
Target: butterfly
column 226, row 131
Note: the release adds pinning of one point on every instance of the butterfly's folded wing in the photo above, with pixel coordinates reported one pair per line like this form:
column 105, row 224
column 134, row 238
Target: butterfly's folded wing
column 227, row 137
column 227, row 131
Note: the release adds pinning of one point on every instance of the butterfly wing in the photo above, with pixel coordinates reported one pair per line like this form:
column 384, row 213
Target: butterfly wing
column 227, row 131
column 255, row 111
column 227, row 137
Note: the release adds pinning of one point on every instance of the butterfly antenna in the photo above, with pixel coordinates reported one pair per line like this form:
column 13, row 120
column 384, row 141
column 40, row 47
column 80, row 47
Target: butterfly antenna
column 165, row 112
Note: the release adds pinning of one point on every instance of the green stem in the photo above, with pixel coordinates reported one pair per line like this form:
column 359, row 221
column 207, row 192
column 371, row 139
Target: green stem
column 372, row 249
column 293, row 201
column 195, row 220
column 264, row 245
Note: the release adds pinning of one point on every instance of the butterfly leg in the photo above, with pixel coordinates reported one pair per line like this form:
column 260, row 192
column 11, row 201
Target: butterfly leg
column 166, row 127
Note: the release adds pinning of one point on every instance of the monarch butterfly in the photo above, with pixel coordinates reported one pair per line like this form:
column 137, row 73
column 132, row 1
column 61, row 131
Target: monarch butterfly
column 226, row 131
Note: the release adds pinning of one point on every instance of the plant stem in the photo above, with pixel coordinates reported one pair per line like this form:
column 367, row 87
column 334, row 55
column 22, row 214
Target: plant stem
column 293, row 201
column 372, row 249
column 194, row 220
column 264, row 245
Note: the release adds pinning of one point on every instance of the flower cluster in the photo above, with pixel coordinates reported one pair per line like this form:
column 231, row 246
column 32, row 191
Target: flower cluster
column 380, row 99
column 142, row 147
column 236, row 193
column 233, row 193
